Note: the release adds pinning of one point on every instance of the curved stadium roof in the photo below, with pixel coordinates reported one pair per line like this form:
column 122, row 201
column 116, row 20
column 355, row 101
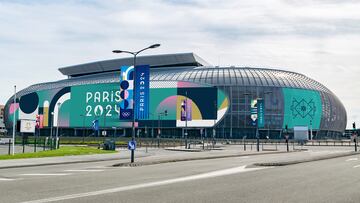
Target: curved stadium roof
column 181, row 67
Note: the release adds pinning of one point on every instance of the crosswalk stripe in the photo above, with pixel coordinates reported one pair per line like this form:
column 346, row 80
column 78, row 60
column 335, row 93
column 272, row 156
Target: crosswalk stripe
column 45, row 174
column 84, row 170
column 6, row 179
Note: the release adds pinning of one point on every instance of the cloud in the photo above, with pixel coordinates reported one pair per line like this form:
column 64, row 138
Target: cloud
column 317, row 38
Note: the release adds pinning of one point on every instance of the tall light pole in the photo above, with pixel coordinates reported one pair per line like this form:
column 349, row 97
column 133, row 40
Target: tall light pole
column 214, row 130
column 186, row 118
column 245, row 108
column 165, row 113
column 83, row 130
column 134, row 78
column 268, row 125
column 311, row 131
column 14, row 123
column 57, row 125
column 51, row 130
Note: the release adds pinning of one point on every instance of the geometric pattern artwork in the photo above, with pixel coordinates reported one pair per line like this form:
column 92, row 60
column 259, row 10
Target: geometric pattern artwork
column 303, row 108
column 126, row 93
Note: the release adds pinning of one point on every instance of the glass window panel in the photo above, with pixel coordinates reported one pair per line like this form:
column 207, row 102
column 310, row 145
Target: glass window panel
column 238, row 77
column 221, row 76
column 251, row 78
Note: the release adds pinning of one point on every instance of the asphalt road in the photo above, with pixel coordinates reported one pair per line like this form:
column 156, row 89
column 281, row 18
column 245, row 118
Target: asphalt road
column 214, row 180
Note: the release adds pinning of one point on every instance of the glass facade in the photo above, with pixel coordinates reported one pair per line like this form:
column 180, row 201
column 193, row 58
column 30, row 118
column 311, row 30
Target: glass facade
column 241, row 84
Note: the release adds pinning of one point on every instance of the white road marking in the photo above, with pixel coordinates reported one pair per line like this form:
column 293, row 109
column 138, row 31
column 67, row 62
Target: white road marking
column 240, row 169
column 357, row 166
column 45, row 174
column 103, row 167
column 352, row 159
column 84, row 170
column 6, row 179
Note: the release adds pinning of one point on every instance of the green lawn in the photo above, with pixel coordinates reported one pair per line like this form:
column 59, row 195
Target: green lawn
column 63, row 151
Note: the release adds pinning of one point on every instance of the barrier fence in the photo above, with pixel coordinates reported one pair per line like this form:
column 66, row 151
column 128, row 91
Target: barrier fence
column 35, row 143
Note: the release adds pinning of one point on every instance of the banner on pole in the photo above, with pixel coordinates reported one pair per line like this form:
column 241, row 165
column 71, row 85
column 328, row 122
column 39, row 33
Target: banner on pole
column 39, row 121
column 126, row 92
column 253, row 112
column 142, row 94
column 261, row 114
column 186, row 110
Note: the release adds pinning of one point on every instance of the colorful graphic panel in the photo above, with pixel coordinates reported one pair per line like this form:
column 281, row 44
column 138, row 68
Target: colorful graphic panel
column 79, row 106
column 253, row 112
column 302, row 107
column 186, row 110
column 126, row 92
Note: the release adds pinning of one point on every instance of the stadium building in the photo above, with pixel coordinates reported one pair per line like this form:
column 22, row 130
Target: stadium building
column 221, row 98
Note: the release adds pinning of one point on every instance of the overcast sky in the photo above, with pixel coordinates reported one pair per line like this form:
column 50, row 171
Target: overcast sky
column 319, row 38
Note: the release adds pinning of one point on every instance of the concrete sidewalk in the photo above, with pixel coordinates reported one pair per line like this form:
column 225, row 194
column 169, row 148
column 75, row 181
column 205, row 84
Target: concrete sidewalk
column 300, row 155
column 142, row 155
column 149, row 156
column 119, row 155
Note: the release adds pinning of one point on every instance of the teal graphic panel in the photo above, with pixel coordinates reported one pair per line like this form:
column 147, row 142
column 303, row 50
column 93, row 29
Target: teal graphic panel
column 260, row 112
column 163, row 99
column 97, row 101
column 302, row 107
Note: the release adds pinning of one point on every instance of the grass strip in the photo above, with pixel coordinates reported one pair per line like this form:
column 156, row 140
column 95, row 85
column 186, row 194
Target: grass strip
column 63, row 151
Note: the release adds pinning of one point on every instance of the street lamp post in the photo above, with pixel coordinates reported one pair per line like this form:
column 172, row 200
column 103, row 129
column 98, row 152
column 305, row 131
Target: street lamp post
column 159, row 131
column 51, row 130
column 14, row 123
column 245, row 98
column 57, row 126
column 311, row 131
column 134, row 78
column 186, row 118
column 83, row 130
column 268, row 125
column 214, row 130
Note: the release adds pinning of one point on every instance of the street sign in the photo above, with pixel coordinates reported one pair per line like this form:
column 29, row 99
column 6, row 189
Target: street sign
column 27, row 126
column 301, row 133
column 131, row 145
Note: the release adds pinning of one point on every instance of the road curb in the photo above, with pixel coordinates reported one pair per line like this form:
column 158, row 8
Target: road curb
column 63, row 163
column 51, row 164
column 145, row 163
column 292, row 162
column 130, row 164
column 185, row 150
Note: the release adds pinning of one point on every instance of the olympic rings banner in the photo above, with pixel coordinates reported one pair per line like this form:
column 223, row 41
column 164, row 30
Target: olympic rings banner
column 126, row 93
